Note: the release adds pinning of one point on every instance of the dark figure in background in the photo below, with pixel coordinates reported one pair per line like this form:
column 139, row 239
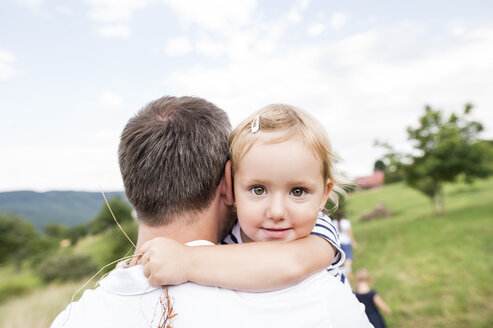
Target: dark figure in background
column 370, row 299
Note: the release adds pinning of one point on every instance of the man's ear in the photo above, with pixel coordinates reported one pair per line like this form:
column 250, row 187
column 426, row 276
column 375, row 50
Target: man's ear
column 227, row 185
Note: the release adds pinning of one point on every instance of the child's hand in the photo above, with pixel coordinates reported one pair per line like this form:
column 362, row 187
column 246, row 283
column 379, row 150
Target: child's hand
column 165, row 261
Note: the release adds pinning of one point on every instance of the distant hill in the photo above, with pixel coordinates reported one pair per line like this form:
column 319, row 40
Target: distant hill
column 64, row 207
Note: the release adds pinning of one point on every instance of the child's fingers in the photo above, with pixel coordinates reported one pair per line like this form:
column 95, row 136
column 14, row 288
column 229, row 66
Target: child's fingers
column 153, row 281
column 145, row 247
column 135, row 260
column 152, row 278
column 147, row 270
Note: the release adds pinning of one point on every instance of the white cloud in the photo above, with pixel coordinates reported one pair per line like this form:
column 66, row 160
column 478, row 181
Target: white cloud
column 458, row 30
column 7, row 70
column 115, row 11
column 121, row 31
column 64, row 10
column 215, row 15
column 355, row 86
column 303, row 4
column 208, row 47
column 110, row 100
column 6, row 123
column 178, row 46
column 294, row 14
column 31, row 4
column 338, row 20
column 315, row 29
column 113, row 16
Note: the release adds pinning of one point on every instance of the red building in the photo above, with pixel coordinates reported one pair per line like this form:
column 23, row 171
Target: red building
column 371, row 181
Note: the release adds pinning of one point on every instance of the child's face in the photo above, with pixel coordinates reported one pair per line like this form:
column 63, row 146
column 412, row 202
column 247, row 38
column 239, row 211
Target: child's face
column 279, row 190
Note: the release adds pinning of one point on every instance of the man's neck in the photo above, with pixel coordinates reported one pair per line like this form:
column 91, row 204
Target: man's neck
column 204, row 227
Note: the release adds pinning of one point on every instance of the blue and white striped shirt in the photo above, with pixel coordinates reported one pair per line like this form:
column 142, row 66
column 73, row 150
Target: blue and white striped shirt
column 323, row 228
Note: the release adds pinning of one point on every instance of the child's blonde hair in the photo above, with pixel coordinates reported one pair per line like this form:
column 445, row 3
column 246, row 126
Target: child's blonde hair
column 294, row 122
column 362, row 275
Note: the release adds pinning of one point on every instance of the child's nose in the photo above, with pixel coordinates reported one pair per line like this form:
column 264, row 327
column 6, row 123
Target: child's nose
column 277, row 209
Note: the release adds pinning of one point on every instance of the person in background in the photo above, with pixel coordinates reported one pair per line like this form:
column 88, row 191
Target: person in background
column 370, row 299
column 346, row 238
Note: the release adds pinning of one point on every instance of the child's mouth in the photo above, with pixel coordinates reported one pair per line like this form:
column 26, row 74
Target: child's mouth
column 276, row 233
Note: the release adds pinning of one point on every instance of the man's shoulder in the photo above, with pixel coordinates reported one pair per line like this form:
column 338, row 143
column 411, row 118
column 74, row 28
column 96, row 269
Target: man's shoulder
column 321, row 300
column 315, row 288
column 123, row 298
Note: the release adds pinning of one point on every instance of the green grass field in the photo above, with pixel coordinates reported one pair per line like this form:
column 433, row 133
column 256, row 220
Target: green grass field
column 433, row 271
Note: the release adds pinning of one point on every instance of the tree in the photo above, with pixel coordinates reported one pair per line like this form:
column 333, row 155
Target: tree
column 117, row 245
column 104, row 220
column 77, row 232
column 56, row 230
column 379, row 166
column 392, row 163
column 444, row 150
column 15, row 236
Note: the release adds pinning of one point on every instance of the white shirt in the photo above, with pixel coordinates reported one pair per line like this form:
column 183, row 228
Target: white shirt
column 125, row 299
column 343, row 226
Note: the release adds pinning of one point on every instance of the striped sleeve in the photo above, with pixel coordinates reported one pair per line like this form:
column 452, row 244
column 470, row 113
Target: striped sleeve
column 325, row 229
column 234, row 237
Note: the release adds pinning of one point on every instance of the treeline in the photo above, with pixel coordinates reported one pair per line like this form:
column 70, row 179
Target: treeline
column 52, row 253
column 65, row 207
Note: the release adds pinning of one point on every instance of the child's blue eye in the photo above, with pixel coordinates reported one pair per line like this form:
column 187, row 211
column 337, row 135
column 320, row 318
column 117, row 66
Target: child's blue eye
column 258, row 190
column 297, row 192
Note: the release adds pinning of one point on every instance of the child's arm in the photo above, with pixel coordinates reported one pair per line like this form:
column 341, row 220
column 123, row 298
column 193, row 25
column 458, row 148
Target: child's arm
column 255, row 267
column 381, row 304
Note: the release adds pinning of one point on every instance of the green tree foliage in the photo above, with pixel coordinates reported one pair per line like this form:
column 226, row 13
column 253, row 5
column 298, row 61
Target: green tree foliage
column 38, row 249
column 444, row 150
column 15, row 236
column 56, row 230
column 104, row 220
column 379, row 166
column 77, row 232
column 392, row 163
column 117, row 245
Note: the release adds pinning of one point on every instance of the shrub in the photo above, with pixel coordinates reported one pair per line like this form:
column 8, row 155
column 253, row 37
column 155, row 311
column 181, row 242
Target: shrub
column 66, row 266
column 117, row 245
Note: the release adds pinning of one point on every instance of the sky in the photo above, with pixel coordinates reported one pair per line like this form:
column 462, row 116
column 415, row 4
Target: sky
column 73, row 72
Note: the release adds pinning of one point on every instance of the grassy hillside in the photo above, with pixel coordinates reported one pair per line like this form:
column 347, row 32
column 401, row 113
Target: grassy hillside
column 434, row 271
column 39, row 308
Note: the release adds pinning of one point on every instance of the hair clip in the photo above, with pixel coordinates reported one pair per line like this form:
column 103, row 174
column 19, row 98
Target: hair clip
column 255, row 126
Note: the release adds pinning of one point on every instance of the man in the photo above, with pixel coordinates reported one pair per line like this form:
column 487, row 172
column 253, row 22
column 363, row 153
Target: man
column 174, row 163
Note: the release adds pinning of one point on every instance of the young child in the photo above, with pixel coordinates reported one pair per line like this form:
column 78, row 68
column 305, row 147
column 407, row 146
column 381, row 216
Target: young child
column 347, row 240
column 370, row 299
column 283, row 173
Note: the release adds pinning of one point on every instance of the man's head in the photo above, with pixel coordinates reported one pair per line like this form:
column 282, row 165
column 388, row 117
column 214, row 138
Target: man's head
column 172, row 156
